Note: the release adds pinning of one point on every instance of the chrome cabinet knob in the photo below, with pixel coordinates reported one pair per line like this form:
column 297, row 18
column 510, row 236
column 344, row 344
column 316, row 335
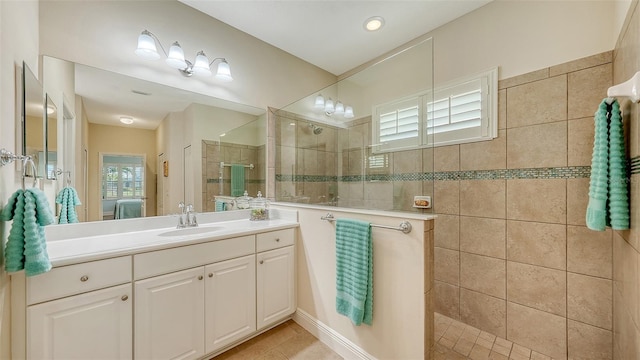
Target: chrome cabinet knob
column 210, row 274
column 84, row 278
column 200, row 277
column 277, row 239
column 124, row 297
column 261, row 261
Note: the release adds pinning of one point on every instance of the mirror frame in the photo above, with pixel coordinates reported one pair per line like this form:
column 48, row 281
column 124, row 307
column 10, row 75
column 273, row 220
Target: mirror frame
column 47, row 132
column 33, row 80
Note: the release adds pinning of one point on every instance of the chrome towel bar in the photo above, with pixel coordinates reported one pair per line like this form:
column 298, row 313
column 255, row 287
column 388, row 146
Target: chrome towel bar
column 404, row 226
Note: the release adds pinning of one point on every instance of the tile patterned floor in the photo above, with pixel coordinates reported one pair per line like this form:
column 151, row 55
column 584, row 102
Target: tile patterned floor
column 288, row 341
column 455, row 340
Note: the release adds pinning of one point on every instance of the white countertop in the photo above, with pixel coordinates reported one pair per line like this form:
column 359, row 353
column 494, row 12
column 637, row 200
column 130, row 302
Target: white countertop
column 76, row 243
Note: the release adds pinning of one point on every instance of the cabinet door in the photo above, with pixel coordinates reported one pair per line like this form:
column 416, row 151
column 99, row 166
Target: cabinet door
column 95, row 325
column 169, row 316
column 230, row 297
column 275, row 286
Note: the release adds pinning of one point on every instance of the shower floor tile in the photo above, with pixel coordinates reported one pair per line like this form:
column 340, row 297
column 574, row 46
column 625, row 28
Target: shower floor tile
column 455, row 340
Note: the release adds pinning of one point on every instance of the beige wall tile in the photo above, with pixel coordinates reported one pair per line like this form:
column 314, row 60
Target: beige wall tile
column 630, row 280
column 580, row 64
column 427, row 160
column 483, row 236
column 502, row 109
column 586, row 342
column 447, row 231
column 542, row 200
column 483, row 274
column 484, row 198
column 403, row 193
column 590, row 300
column 524, row 78
column 577, row 201
column 537, row 146
column 589, row 252
column 446, row 199
column 485, row 155
column 537, row 243
column 446, row 158
column 586, row 89
column 447, row 299
column 407, row 161
column 446, row 265
column 538, row 287
column 484, row 312
column 537, row 102
column 580, row 142
column 537, row 330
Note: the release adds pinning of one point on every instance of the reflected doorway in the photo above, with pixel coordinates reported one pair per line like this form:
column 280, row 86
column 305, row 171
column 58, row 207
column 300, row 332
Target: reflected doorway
column 122, row 188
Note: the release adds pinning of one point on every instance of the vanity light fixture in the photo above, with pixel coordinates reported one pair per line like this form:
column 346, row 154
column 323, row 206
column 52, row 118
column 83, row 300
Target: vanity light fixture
column 175, row 58
column 126, row 120
column 374, row 23
column 330, row 108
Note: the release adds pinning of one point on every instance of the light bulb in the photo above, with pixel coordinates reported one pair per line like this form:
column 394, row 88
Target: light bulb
column 147, row 47
column 201, row 65
column 176, row 57
column 224, row 71
column 339, row 108
column 319, row 103
column 328, row 107
column 348, row 112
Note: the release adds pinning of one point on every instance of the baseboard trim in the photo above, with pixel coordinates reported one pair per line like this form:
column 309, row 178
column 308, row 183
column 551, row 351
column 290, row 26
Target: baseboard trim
column 338, row 343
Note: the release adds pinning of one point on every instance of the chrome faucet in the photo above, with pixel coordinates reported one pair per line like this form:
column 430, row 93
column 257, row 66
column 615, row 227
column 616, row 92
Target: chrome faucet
column 181, row 216
column 190, row 217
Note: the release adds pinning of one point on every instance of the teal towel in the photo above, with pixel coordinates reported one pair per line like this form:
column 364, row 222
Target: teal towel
column 26, row 246
column 237, row 180
column 354, row 270
column 608, row 193
column 128, row 208
column 68, row 200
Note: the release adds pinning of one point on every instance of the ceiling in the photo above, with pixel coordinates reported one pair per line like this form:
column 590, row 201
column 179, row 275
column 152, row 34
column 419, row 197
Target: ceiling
column 330, row 34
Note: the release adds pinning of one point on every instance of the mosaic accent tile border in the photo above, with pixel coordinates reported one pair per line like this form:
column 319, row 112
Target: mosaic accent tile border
column 568, row 172
column 228, row 181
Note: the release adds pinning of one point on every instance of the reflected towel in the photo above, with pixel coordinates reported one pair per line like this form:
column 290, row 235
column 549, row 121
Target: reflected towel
column 68, row 200
column 219, row 205
column 237, row 180
column 26, row 246
column 354, row 270
column 128, row 208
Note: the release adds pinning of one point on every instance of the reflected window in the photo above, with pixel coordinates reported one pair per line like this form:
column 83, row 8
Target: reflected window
column 122, row 177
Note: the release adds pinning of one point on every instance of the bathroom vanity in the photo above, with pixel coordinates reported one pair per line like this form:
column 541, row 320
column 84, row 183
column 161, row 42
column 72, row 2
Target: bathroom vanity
column 148, row 292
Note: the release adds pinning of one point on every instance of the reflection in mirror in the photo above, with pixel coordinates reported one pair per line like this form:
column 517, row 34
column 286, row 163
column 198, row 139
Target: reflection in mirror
column 326, row 156
column 47, row 161
column 169, row 127
column 32, row 115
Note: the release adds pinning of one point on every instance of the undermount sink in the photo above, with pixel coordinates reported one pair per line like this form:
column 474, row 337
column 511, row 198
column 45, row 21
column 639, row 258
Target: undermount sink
column 191, row 231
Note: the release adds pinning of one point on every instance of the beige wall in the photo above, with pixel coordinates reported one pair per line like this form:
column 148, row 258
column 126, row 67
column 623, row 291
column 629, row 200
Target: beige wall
column 513, row 256
column 626, row 244
column 130, row 141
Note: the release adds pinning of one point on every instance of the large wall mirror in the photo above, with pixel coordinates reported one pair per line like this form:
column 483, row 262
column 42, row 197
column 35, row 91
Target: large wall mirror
column 33, row 124
column 183, row 136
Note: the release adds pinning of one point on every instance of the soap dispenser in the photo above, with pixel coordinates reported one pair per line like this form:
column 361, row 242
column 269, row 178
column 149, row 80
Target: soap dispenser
column 259, row 208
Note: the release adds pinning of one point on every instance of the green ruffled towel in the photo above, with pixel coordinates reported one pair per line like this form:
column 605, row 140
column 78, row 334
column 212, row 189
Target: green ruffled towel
column 237, row 179
column 26, row 246
column 608, row 191
column 354, row 270
column 68, row 200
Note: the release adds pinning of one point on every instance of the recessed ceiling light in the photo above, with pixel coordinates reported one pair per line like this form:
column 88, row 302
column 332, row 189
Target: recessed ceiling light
column 374, row 23
column 126, row 120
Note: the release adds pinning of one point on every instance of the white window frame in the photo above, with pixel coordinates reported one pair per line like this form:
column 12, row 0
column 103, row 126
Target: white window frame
column 488, row 129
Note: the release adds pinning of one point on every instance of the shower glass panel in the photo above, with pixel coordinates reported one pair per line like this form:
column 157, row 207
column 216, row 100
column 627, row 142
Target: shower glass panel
column 324, row 157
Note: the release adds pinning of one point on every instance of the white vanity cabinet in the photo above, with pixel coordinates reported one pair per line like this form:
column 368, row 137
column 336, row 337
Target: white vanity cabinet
column 75, row 312
column 275, row 279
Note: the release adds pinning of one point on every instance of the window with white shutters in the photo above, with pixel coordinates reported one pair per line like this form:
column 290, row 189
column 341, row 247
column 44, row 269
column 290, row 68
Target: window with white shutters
column 461, row 111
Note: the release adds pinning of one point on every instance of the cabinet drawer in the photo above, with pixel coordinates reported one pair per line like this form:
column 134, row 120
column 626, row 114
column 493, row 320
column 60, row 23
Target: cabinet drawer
column 185, row 257
column 274, row 239
column 75, row 279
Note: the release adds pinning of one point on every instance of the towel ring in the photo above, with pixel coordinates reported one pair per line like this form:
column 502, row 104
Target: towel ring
column 25, row 160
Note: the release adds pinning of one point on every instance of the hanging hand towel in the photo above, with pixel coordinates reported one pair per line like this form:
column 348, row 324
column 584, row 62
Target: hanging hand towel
column 237, row 180
column 26, row 247
column 354, row 270
column 68, row 200
column 608, row 194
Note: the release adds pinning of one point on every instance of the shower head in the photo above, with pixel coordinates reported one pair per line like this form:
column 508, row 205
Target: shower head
column 316, row 129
